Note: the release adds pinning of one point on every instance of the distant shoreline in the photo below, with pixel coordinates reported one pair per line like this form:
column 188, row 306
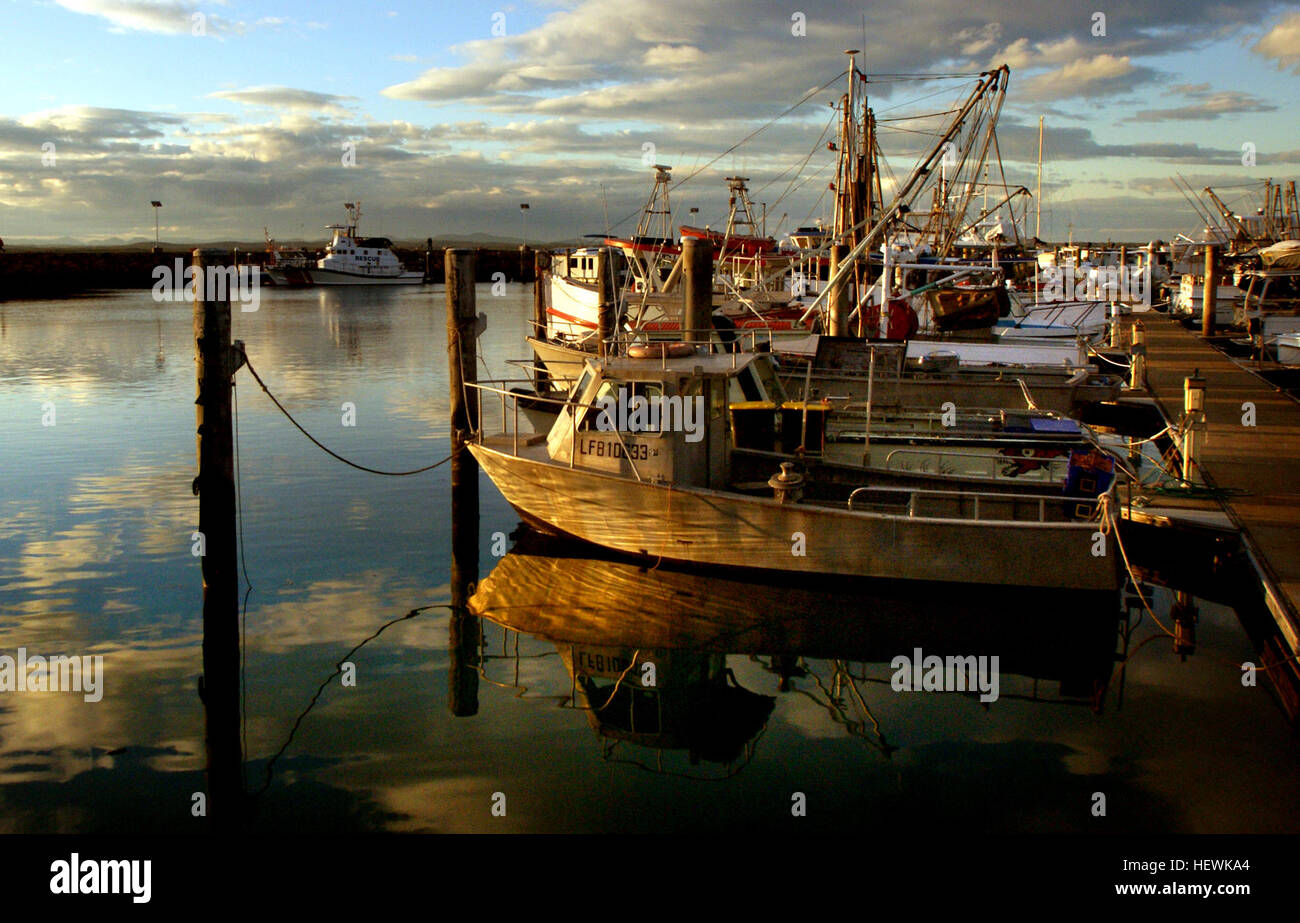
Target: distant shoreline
column 62, row 272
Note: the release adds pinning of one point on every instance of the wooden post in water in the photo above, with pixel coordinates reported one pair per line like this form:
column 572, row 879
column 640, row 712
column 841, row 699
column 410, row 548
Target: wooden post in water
column 1209, row 298
column 463, row 628
column 607, row 285
column 697, row 294
column 215, row 485
column 839, row 308
column 541, row 263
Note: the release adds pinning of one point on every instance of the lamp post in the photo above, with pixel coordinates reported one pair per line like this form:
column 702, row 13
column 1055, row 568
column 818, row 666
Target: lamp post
column 157, row 247
column 523, row 248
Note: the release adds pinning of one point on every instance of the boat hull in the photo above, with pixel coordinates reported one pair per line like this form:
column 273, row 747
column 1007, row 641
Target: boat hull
column 332, row 277
column 709, row 527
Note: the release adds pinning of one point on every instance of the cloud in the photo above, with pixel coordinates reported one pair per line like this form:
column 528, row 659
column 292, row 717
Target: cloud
column 174, row 17
column 1282, row 43
column 279, row 97
column 1207, row 106
column 1092, row 76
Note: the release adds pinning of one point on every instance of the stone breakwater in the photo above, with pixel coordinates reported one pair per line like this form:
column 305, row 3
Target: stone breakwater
column 63, row 273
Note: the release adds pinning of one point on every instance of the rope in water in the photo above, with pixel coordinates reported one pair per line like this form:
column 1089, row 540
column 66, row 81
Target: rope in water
column 320, row 445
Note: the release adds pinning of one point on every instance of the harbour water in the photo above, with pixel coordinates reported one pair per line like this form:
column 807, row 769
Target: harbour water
column 97, row 456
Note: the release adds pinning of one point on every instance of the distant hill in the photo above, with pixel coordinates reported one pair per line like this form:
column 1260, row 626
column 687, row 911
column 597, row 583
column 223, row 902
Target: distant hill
column 245, row 246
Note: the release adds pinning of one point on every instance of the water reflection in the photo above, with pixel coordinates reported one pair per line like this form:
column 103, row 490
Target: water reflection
column 647, row 648
column 772, row 688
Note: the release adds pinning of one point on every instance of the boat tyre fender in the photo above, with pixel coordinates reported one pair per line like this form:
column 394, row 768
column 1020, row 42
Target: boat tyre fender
column 660, row 350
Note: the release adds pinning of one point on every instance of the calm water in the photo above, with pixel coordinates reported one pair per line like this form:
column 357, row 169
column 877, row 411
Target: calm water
column 764, row 690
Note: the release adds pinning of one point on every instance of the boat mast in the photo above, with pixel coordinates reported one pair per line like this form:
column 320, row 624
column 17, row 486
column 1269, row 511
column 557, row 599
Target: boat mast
column 1038, row 192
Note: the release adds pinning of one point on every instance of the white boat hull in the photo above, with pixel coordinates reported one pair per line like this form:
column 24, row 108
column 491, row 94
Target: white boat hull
column 314, row 276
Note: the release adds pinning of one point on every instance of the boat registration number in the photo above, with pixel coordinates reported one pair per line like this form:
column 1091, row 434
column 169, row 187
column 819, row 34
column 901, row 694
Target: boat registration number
column 600, row 448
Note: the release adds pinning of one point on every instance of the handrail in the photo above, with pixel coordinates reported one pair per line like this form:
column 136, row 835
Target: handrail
column 514, row 396
column 975, row 497
column 994, row 460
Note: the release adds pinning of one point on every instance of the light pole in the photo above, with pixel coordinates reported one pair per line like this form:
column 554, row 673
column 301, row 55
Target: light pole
column 157, row 247
column 523, row 248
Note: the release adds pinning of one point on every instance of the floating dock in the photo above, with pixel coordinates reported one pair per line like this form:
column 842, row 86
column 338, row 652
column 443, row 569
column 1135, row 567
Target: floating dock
column 1250, row 450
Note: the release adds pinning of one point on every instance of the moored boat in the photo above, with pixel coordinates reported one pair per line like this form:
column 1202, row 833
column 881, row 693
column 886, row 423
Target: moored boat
column 659, row 478
column 349, row 260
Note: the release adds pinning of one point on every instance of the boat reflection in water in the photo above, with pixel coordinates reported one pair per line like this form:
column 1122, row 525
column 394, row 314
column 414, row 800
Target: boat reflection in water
column 647, row 647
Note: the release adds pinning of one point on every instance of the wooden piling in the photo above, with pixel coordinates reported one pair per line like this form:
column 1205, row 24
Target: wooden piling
column 1209, row 298
column 697, row 296
column 607, row 286
column 541, row 263
column 463, row 628
column 839, row 308
column 215, row 485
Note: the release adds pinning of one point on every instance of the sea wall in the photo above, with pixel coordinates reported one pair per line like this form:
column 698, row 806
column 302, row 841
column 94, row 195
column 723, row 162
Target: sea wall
column 60, row 273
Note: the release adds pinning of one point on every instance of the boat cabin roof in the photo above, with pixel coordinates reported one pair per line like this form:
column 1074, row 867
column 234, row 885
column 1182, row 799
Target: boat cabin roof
column 653, row 369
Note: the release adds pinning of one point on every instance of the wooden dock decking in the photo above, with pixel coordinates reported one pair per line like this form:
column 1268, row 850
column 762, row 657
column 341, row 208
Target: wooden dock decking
column 1262, row 461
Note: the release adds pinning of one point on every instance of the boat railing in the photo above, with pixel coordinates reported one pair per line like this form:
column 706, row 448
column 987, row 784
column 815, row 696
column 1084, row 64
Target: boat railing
column 737, row 339
column 974, row 506
column 1054, row 467
column 510, row 419
column 499, row 386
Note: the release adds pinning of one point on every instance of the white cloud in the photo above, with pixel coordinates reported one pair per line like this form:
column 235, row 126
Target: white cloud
column 1282, row 43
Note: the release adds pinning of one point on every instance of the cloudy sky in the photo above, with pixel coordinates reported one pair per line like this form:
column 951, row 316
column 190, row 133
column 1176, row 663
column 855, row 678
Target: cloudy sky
column 443, row 117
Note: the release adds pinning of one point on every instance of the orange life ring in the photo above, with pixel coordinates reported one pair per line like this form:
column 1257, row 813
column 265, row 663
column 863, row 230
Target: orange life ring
column 660, row 350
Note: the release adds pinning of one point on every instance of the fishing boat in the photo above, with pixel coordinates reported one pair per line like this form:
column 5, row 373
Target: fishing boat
column 349, row 260
column 642, row 459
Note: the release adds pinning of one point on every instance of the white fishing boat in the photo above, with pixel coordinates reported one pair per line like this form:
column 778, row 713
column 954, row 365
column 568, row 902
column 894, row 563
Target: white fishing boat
column 642, row 459
column 349, row 260
column 1288, row 349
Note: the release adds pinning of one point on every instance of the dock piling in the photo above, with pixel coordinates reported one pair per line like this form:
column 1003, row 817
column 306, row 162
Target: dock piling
column 607, row 285
column 1138, row 357
column 215, row 485
column 1193, row 423
column 697, row 312
column 1210, row 295
column 462, row 358
column 541, row 263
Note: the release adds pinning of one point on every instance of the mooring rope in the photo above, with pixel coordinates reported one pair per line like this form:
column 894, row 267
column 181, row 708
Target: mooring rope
column 320, row 445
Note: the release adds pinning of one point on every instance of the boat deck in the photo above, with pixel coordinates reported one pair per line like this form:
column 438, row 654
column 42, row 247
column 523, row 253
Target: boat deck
column 1260, row 463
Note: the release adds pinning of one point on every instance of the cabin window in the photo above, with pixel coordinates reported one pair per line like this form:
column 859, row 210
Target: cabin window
column 630, row 407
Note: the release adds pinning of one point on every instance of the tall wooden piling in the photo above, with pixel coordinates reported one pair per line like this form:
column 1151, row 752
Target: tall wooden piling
column 607, row 286
column 215, row 485
column 1210, row 297
column 839, row 302
column 697, row 295
column 541, row 263
column 463, row 628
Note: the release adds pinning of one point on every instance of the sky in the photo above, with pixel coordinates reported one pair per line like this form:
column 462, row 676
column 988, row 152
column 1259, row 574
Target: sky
column 442, row 118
